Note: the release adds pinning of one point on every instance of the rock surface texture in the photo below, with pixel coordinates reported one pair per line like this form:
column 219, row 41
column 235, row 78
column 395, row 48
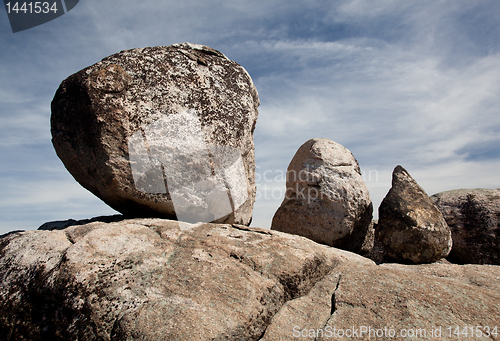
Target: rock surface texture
column 155, row 279
column 410, row 227
column 326, row 198
column 473, row 216
column 162, row 131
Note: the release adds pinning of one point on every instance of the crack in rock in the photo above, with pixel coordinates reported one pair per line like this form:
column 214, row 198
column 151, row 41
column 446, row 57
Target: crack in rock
column 334, row 303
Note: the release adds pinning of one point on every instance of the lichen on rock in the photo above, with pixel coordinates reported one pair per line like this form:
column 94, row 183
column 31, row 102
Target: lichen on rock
column 132, row 127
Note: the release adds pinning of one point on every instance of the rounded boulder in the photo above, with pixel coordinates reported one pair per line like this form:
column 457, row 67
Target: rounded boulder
column 162, row 131
column 326, row 198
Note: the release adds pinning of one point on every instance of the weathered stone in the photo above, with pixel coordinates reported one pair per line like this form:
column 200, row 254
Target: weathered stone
column 369, row 241
column 162, row 131
column 473, row 216
column 155, row 279
column 326, row 198
column 392, row 298
column 410, row 226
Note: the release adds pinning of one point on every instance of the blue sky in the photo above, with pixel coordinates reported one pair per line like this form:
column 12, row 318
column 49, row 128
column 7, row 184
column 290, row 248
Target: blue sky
column 415, row 83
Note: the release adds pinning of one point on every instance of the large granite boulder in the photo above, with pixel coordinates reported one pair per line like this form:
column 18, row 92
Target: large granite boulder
column 473, row 216
column 162, row 131
column 326, row 199
column 155, row 279
column 410, row 227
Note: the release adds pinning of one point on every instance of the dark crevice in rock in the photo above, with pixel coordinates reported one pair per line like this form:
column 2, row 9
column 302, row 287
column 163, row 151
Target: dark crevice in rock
column 71, row 240
column 333, row 306
column 334, row 303
column 246, row 228
column 332, row 310
column 263, row 333
column 343, row 164
column 235, row 256
column 202, row 61
column 210, row 51
column 11, row 232
column 311, row 273
column 63, row 224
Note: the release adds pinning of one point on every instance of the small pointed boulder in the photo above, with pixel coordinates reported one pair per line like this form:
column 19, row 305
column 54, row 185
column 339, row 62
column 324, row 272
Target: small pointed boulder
column 411, row 228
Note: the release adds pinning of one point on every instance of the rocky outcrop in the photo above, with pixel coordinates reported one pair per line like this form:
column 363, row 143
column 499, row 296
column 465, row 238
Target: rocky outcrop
column 473, row 216
column 326, row 198
column 410, row 227
column 393, row 302
column 155, row 279
column 162, row 131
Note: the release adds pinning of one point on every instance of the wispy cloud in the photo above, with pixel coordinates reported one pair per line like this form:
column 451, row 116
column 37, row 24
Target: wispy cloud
column 35, row 202
column 406, row 97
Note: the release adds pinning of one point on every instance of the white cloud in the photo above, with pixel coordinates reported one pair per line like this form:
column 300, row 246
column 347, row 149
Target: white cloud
column 411, row 98
column 24, row 128
column 26, row 203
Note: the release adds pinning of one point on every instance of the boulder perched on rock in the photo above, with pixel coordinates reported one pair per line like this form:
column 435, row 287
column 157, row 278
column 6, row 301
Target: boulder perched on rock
column 156, row 279
column 473, row 216
column 162, row 131
column 410, row 227
column 326, row 199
